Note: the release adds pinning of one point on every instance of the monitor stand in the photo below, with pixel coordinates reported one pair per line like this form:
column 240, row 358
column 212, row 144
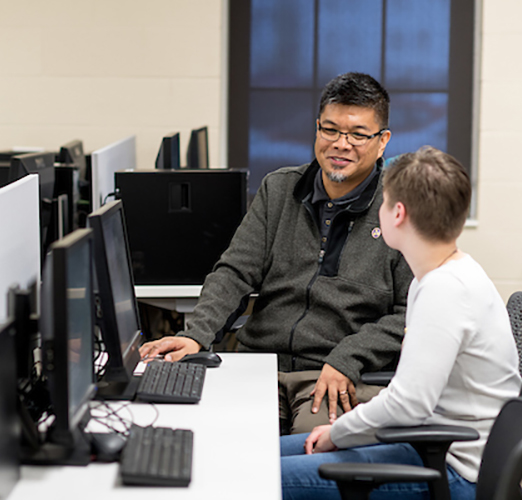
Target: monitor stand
column 55, row 454
column 70, row 448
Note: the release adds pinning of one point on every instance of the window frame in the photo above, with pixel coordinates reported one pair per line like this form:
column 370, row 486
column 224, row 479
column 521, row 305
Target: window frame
column 463, row 86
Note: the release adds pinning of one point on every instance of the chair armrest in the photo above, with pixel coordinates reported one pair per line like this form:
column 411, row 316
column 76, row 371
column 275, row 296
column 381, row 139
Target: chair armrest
column 431, row 443
column 426, row 434
column 377, row 378
column 355, row 481
column 377, row 472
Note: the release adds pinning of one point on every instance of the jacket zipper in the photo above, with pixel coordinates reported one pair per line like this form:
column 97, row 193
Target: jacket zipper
column 308, row 289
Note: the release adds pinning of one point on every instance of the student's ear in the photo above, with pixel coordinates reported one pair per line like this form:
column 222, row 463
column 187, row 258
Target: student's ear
column 399, row 214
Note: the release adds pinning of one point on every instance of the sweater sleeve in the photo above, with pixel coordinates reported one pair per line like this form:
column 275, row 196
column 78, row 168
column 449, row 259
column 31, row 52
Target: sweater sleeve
column 376, row 344
column 236, row 275
column 430, row 348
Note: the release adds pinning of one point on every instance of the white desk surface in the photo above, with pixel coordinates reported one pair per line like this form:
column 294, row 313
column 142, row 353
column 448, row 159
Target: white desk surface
column 167, row 291
column 236, row 443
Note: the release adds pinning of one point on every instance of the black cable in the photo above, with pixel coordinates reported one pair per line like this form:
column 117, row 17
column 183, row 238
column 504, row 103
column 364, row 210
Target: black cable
column 110, row 194
column 112, row 412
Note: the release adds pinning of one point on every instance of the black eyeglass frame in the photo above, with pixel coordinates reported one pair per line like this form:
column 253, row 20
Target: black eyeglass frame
column 364, row 137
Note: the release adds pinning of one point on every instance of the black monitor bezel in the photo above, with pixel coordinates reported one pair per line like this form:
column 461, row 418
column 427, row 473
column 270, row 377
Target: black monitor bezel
column 35, row 163
column 194, row 159
column 68, row 156
column 168, row 157
column 43, row 164
column 55, row 343
column 120, row 365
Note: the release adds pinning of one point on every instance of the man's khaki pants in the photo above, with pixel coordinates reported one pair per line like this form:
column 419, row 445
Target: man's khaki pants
column 295, row 402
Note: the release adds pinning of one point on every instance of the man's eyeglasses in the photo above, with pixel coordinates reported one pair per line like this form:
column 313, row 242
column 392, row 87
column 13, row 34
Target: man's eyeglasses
column 353, row 138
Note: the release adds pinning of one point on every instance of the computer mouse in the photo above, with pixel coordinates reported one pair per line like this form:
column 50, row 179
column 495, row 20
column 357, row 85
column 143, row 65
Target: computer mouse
column 107, row 446
column 207, row 358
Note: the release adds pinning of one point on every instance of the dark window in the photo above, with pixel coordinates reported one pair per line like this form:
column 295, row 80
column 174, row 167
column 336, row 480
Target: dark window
column 282, row 53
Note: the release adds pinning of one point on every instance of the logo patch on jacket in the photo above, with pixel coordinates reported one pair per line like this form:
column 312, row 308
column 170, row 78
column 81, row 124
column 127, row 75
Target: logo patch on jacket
column 376, row 232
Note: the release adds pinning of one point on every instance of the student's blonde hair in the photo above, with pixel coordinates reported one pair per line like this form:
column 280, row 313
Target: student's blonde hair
column 435, row 190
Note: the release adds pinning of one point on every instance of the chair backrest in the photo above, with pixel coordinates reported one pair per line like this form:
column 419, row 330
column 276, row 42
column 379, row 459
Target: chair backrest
column 508, row 487
column 514, row 309
column 504, row 438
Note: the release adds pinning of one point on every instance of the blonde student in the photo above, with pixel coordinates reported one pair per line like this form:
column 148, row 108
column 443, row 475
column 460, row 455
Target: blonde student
column 458, row 362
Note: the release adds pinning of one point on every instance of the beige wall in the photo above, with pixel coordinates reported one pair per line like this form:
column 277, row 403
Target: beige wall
column 100, row 70
column 496, row 242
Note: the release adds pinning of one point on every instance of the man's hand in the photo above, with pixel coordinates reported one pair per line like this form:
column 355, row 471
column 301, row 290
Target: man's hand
column 174, row 348
column 319, row 440
column 338, row 386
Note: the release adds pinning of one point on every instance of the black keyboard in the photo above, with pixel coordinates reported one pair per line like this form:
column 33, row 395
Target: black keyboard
column 157, row 456
column 166, row 382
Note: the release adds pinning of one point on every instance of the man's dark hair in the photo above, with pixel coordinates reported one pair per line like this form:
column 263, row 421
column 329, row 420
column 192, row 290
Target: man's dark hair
column 357, row 89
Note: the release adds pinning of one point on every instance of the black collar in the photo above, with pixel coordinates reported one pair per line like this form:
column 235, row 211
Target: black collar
column 304, row 189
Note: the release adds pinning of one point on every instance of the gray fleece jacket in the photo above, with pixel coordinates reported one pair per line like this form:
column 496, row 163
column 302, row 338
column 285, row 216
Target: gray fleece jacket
column 344, row 306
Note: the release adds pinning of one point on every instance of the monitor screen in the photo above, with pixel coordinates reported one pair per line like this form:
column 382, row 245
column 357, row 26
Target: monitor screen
column 169, row 153
column 119, row 318
column 67, row 329
column 197, row 153
column 105, row 162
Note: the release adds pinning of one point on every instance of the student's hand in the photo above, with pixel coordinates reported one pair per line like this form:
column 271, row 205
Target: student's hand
column 319, row 440
column 338, row 386
column 174, row 348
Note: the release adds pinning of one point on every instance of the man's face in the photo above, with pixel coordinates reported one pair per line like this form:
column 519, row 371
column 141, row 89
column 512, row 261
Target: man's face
column 345, row 166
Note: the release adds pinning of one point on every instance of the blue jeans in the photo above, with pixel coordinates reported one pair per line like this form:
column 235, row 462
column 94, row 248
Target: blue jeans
column 301, row 480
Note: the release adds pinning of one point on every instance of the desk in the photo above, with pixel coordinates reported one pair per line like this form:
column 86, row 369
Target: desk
column 179, row 298
column 236, row 443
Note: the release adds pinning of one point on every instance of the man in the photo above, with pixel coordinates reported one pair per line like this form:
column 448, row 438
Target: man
column 331, row 293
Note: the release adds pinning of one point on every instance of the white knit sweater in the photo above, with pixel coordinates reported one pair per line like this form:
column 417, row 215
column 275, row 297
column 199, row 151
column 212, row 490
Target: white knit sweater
column 458, row 364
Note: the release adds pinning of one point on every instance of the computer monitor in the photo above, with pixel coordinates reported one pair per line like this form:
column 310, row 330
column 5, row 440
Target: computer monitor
column 43, row 165
column 71, row 153
column 67, row 331
column 118, row 318
column 169, row 153
column 5, row 162
column 22, row 305
column 71, row 180
column 105, row 162
column 9, row 421
column 35, row 163
column 179, row 222
column 197, row 152
column 19, row 237
column 4, row 172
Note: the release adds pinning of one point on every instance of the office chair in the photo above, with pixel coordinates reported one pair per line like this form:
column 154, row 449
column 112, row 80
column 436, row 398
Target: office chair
column 500, row 470
column 514, row 309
